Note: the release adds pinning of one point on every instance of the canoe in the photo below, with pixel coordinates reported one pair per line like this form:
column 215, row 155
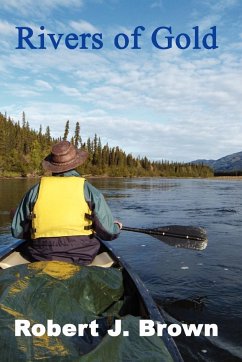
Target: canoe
column 135, row 301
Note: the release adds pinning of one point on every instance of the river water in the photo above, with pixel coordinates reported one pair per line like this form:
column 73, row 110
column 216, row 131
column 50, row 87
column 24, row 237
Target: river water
column 190, row 286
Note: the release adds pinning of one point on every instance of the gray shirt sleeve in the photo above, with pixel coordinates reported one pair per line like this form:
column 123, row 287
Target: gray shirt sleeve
column 102, row 216
column 21, row 223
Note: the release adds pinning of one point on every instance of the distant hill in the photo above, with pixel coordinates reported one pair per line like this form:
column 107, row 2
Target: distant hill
column 228, row 164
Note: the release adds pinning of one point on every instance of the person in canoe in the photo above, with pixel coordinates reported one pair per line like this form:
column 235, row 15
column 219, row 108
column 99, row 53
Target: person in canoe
column 62, row 217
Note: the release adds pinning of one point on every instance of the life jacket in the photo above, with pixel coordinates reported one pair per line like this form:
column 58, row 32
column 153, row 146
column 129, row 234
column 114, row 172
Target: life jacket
column 61, row 208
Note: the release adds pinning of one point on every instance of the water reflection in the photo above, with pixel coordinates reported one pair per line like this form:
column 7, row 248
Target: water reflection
column 11, row 192
column 135, row 183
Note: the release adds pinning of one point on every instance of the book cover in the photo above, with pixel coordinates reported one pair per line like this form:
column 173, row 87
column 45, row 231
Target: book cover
column 146, row 87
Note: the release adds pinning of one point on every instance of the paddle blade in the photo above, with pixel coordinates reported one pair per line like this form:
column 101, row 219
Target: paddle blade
column 188, row 237
column 183, row 243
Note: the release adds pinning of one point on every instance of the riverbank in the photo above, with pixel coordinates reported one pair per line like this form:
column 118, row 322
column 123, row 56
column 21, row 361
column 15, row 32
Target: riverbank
column 15, row 175
column 227, row 178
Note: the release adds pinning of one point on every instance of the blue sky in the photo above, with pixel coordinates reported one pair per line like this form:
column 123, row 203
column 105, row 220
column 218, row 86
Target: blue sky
column 177, row 105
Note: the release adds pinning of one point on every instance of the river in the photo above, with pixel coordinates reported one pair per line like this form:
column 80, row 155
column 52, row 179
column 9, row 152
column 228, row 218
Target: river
column 190, row 286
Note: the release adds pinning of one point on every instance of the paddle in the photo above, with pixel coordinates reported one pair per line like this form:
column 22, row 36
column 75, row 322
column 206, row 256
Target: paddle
column 188, row 237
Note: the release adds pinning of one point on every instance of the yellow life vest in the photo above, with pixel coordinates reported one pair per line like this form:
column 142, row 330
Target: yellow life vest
column 61, row 208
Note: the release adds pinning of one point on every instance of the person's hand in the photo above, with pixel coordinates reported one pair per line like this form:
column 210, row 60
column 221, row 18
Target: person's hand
column 120, row 225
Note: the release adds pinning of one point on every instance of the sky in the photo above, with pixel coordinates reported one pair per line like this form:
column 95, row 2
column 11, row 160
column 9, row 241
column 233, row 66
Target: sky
column 167, row 104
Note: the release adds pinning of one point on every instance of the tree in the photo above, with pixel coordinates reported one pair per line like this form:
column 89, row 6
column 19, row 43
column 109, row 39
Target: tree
column 47, row 134
column 35, row 156
column 77, row 137
column 66, row 131
column 23, row 120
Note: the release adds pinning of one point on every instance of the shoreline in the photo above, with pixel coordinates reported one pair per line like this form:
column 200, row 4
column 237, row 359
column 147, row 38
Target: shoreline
column 30, row 177
column 227, row 178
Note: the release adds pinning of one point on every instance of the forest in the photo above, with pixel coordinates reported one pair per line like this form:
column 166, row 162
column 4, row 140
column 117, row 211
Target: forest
column 22, row 150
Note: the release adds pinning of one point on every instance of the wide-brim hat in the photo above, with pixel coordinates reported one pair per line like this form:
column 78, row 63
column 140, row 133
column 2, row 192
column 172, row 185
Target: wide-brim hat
column 64, row 156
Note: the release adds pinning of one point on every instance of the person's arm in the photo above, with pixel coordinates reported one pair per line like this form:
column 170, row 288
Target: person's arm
column 21, row 222
column 104, row 225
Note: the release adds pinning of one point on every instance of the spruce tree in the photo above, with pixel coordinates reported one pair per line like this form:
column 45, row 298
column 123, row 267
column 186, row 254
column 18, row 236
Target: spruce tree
column 66, row 131
column 77, row 137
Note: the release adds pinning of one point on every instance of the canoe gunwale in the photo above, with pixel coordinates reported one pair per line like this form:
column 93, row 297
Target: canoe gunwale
column 149, row 306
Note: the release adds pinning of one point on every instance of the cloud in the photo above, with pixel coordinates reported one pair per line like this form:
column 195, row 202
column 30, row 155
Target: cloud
column 180, row 104
column 215, row 13
column 157, row 4
column 70, row 91
column 148, row 81
column 223, row 5
column 83, row 26
column 26, row 7
column 43, row 85
column 6, row 29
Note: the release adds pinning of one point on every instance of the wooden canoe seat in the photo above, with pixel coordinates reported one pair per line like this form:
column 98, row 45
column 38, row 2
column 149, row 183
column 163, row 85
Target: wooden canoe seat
column 104, row 260
column 15, row 258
